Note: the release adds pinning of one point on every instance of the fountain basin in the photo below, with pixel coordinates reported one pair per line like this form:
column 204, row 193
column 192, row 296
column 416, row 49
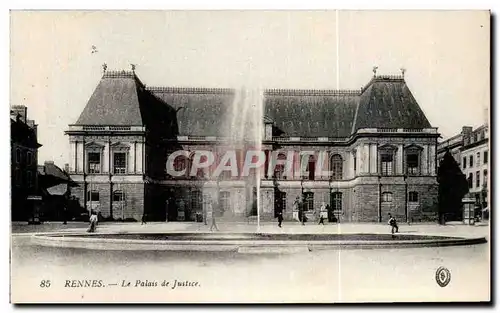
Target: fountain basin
column 245, row 242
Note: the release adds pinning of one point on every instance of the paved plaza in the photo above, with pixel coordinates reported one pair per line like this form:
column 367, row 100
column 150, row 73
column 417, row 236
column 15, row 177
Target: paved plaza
column 320, row 276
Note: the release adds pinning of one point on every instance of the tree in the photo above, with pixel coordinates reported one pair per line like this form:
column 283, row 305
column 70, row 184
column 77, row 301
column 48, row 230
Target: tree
column 453, row 186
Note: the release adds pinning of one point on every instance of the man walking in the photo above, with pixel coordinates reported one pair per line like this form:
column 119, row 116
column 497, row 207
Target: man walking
column 144, row 218
column 393, row 223
column 211, row 210
column 280, row 218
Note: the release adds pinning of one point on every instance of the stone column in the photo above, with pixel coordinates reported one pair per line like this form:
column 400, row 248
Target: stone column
column 80, row 156
column 138, row 156
column 399, row 160
column 367, row 160
column 432, row 160
column 130, row 158
column 106, row 167
column 424, row 160
column 347, row 166
column 72, row 155
column 358, row 160
column 373, row 158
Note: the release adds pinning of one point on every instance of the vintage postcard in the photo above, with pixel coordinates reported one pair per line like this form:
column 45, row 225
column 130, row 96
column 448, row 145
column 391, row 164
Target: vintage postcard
column 250, row 156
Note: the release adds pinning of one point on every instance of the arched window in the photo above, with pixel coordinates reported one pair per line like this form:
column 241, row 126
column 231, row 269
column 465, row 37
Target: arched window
column 181, row 163
column 387, row 197
column 336, row 166
column 413, row 196
column 279, row 169
column 118, row 196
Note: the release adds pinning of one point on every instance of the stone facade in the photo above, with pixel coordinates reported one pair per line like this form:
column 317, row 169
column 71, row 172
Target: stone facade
column 382, row 158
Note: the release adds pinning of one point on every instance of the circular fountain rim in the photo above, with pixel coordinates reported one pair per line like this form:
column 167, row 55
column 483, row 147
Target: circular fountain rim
column 92, row 241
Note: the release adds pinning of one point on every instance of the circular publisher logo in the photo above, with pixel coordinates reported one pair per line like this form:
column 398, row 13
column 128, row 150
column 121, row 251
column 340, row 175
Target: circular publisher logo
column 443, row 276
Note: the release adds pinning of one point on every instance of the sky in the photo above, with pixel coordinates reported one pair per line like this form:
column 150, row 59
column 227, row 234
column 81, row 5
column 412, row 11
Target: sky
column 446, row 55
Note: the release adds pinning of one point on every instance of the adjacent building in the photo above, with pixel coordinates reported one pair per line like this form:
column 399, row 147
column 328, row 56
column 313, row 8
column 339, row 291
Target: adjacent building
column 380, row 148
column 55, row 188
column 24, row 159
column 470, row 148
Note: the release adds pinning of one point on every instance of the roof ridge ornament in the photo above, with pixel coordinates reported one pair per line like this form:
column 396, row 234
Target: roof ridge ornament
column 374, row 70
column 403, row 70
column 104, row 68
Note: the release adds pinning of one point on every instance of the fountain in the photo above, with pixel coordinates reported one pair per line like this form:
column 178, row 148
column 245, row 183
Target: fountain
column 245, row 130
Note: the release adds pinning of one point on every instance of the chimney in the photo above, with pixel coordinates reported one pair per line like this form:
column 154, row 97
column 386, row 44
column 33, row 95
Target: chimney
column 466, row 130
column 21, row 111
column 48, row 163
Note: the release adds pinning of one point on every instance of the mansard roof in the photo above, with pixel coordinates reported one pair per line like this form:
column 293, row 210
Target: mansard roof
column 115, row 101
column 385, row 102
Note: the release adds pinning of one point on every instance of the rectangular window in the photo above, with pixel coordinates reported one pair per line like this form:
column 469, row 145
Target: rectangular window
column 412, row 164
column 485, row 178
column 471, row 161
column 485, row 157
column 478, row 182
column 465, row 163
column 413, row 196
column 94, row 162
column 18, row 155
column 283, row 200
column 308, row 201
column 225, row 202
column 386, row 163
column 478, row 159
column 469, row 180
column 119, row 162
column 28, row 158
column 93, row 196
column 196, row 201
column 337, row 201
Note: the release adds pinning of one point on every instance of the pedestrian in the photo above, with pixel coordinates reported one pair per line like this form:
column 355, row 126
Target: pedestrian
column 321, row 219
column 65, row 215
column 304, row 218
column 393, row 223
column 93, row 222
column 144, row 218
column 280, row 218
column 211, row 210
column 321, row 210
